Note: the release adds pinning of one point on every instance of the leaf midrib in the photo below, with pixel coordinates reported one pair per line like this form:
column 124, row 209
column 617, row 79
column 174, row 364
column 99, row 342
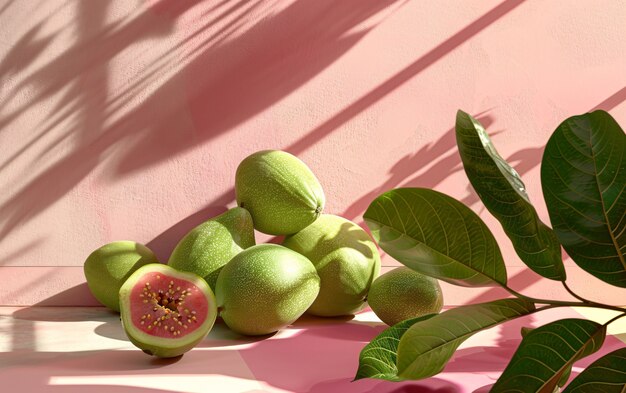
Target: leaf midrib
column 620, row 255
column 540, row 252
column 465, row 336
column 478, row 272
column 560, row 371
column 394, row 334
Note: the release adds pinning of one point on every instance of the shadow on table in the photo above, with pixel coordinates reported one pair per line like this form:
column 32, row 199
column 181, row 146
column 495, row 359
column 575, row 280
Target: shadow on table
column 23, row 332
column 109, row 370
column 327, row 348
column 343, row 385
column 38, row 312
column 85, row 362
column 220, row 335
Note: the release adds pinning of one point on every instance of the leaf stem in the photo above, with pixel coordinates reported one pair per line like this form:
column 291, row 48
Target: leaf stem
column 568, row 289
column 615, row 318
column 545, row 308
column 559, row 303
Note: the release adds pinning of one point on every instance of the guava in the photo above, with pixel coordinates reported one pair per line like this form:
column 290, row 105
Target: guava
column 210, row 245
column 265, row 288
column 402, row 294
column 109, row 266
column 346, row 259
column 280, row 192
column 165, row 312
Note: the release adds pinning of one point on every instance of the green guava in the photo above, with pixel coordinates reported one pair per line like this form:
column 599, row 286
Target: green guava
column 346, row 259
column 265, row 288
column 210, row 245
column 280, row 192
column 402, row 294
column 109, row 266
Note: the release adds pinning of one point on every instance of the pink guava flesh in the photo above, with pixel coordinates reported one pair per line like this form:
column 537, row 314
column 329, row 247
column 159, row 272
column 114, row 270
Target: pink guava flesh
column 167, row 307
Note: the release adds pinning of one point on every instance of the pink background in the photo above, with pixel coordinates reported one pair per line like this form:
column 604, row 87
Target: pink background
column 127, row 120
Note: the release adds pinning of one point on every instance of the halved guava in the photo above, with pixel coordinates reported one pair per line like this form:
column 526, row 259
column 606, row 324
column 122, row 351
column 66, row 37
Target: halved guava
column 166, row 312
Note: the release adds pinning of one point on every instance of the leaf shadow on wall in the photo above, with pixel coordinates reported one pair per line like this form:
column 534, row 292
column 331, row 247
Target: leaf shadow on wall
column 294, row 45
column 249, row 71
column 426, row 168
column 166, row 240
column 56, row 181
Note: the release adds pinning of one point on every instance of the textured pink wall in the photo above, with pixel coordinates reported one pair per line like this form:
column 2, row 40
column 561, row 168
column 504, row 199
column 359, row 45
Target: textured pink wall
column 126, row 120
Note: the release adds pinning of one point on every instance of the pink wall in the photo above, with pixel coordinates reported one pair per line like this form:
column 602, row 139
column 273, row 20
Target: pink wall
column 126, row 120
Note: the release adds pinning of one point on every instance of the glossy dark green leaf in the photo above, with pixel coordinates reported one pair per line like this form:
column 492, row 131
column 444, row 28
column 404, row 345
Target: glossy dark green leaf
column 503, row 193
column 436, row 235
column 546, row 353
column 428, row 345
column 378, row 358
column 583, row 175
column 566, row 374
column 605, row 375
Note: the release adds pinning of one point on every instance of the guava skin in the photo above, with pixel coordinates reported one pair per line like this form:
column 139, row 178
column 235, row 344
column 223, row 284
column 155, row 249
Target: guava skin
column 108, row 267
column 281, row 193
column 346, row 259
column 403, row 293
column 210, row 245
column 265, row 288
column 165, row 347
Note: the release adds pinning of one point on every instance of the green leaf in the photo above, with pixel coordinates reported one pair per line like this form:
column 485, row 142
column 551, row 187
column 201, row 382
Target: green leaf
column 427, row 346
column 546, row 353
column 565, row 376
column 583, row 175
column 436, row 235
column 378, row 358
column 605, row 375
column 503, row 193
column 568, row 372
